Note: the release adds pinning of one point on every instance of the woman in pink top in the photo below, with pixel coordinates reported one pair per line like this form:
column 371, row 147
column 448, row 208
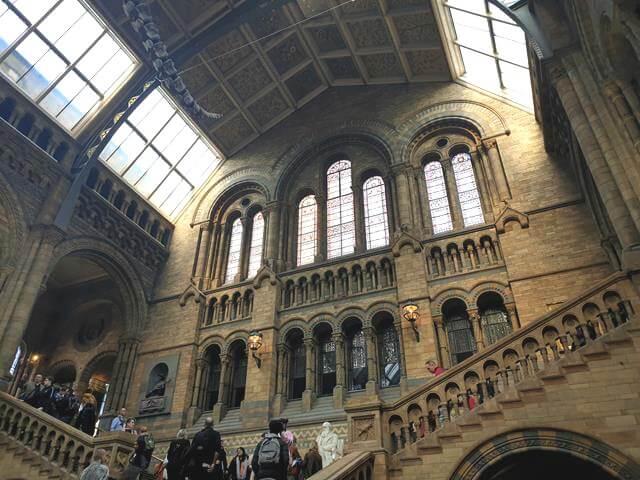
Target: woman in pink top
column 435, row 369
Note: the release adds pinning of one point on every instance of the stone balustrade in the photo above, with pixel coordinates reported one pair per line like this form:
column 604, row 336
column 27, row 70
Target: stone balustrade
column 229, row 304
column 62, row 445
column 513, row 359
column 463, row 253
column 353, row 466
column 337, row 280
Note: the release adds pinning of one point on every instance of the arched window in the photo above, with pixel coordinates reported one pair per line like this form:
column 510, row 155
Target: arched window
column 375, row 213
column 307, row 228
column 326, row 361
column 494, row 320
column 467, row 190
column 16, row 361
column 459, row 332
column 389, row 354
column 340, row 218
column 438, row 200
column 212, row 392
column 358, row 374
column 297, row 377
column 235, row 244
column 255, row 252
column 238, row 374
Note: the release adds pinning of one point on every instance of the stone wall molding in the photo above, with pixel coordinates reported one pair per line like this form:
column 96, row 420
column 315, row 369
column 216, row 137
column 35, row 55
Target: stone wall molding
column 17, row 224
column 508, row 215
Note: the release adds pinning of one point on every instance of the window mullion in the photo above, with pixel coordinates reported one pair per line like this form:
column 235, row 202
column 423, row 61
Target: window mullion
column 494, row 47
column 171, row 169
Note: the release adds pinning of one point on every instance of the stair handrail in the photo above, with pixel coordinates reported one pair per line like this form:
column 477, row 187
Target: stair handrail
column 348, row 467
column 504, row 342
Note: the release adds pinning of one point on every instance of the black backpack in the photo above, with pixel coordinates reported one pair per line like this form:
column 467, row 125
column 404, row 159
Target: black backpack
column 269, row 451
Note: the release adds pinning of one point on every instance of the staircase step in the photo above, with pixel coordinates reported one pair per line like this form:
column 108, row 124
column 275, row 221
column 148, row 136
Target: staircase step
column 470, row 421
column 530, row 385
column 489, row 408
column 594, row 350
column 411, row 460
column 617, row 337
column 430, row 444
column 573, row 363
column 509, row 397
column 552, row 373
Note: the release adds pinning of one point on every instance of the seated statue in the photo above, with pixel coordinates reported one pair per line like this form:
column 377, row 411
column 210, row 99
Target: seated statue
column 159, row 388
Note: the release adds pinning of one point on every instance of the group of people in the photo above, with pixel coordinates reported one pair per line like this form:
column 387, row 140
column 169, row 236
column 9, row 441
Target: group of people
column 275, row 457
column 61, row 402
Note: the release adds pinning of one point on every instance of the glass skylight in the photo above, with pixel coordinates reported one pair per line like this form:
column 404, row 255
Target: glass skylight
column 160, row 153
column 493, row 49
column 61, row 55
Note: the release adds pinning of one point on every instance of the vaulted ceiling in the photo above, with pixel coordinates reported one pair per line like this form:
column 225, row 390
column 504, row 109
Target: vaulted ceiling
column 256, row 86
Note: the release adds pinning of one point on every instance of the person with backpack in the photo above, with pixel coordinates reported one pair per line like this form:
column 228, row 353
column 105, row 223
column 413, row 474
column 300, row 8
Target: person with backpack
column 271, row 455
column 204, row 453
column 141, row 457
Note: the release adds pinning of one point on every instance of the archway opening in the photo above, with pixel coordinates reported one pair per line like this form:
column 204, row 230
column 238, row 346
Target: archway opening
column 537, row 464
column 459, row 330
column 238, row 353
column 297, row 363
column 494, row 319
column 326, row 380
column 212, row 389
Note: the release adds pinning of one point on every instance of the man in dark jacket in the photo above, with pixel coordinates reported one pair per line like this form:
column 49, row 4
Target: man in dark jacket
column 204, row 453
column 141, row 455
column 267, row 463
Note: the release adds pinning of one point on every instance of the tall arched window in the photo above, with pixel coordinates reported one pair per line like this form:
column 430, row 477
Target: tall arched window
column 389, row 355
column 298, row 366
column 255, row 252
column 358, row 374
column 307, row 228
column 375, row 213
column 494, row 320
column 459, row 330
column 238, row 375
column 235, row 245
column 326, row 373
column 340, row 218
column 468, row 194
column 438, row 200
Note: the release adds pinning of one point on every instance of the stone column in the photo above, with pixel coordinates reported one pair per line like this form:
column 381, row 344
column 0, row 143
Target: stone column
column 341, row 374
column 220, row 408
column 272, row 255
column 214, row 252
column 221, row 258
column 358, row 211
column 202, row 258
column 244, row 250
column 310, row 385
column 474, row 317
column 403, row 197
column 18, row 308
column 615, row 95
column 122, row 372
column 196, row 397
column 513, row 317
column 321, row 229
column 372, row 370
column 441, row 335
column 280, row 397
column 497, row 170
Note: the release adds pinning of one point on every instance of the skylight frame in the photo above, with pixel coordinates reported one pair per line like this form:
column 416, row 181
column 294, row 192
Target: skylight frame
column 32, row 28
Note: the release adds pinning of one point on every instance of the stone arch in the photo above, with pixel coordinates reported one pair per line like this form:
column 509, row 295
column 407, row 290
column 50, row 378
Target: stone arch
column 388, row 307
column 352, row 312
column 17, row 224
column 323, row 318
column 489, row 451
column 209, row 342
column 482, row 118
column 441, row 298
column 119, row 267
column 60, row 365
column 497, row 287
column 294, row 324
column 88, row 370
column 230, row 339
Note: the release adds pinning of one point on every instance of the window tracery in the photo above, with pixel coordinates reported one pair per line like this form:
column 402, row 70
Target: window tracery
column 375, row 213
column 468, row 194
column 235, row 246
column 389, row 351
column 438, row 200
column 257, row 239
column 307, row 230
column 340, row 211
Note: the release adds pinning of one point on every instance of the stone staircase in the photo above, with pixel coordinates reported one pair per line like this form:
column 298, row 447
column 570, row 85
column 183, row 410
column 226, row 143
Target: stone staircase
column 20, row 462
column 542, row 377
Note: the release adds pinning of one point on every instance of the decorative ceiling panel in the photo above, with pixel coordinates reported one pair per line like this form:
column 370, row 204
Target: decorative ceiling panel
column 260, row 72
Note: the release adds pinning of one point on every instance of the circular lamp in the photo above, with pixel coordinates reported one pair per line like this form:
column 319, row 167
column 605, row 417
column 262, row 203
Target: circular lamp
column 410, row 313
column 255, row 343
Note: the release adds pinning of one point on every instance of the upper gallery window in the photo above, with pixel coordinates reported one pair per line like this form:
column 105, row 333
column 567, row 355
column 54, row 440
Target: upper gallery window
column 375, row 213
column 61, row 55
column 468, row 195
column 255, row 251
column 438, row 199
column 307, row 226
column 341, row 229
column 235, row 247
column 161, row 154
column 493, row 49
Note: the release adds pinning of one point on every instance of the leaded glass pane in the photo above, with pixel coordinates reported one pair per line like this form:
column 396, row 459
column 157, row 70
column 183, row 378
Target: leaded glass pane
column 307, row 230
column 257, row 237
column 340, row 216
column 495, row 325
column 468, row 194
column 358, row 361
column 65, row 39
column 328, row 357
column 235, row 244
column 375, row 213
column 389, row 348
column 461, row 341
column 438, row 200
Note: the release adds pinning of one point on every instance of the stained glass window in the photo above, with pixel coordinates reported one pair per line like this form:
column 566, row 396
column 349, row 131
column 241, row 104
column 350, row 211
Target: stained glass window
column 16, row 361
column 493, row 49
column 326, row 366
column 340, row 218
column 358, row 356
column 160, row 153
column 467, row 190
column 495, row 325
column 438, row 199
column 375, row 213
column 255, row 252
column 307, row 230
column 461, row 341
column 389, row 348
column 235, row 245
column 61, row 55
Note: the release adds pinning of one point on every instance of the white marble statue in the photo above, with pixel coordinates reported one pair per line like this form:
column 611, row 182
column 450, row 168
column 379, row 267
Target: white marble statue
column 328, row 445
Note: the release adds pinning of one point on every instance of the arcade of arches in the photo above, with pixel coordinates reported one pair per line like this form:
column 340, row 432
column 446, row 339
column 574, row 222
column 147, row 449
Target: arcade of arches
column 381, row 191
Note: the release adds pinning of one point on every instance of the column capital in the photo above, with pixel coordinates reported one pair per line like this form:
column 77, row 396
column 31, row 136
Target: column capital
column 490, row 143
column 309, row 342
column 201, row 362
column 337, row 337
column 125, row 341
column 51, row 235
column 271, row 206
column 557, row 72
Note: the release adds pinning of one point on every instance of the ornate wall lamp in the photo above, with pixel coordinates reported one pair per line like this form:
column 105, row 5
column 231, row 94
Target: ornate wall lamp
column 410, row 312
column 255, row 344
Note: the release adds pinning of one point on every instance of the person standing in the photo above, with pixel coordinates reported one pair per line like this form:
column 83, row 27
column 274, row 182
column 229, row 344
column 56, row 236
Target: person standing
column 96, row 470
column 239, row 468
column 30, row 389
column 130, row 426
column 45, row 397
column 312, row 461
column 174, row 463
column 119, row 423
column 295, row 463
column 204, row 452
column 87, row 415
column 141, row 457
column 433, row 368
column 271, row 455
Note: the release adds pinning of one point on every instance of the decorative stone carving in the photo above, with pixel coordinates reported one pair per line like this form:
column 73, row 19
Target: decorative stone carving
column 383, row 65
column 509, row 214
column 363, row 429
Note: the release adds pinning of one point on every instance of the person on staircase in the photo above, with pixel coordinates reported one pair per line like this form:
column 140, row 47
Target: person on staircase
column 30, row 388
column 312, row 463
column 239, row 468
column 141, row 457
column 86, row 420
column 433, row 368
column 119, row 422
column 45, row 397
column 204, row 453
column 97, row 470
column 271, row 455
column 176, row 455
